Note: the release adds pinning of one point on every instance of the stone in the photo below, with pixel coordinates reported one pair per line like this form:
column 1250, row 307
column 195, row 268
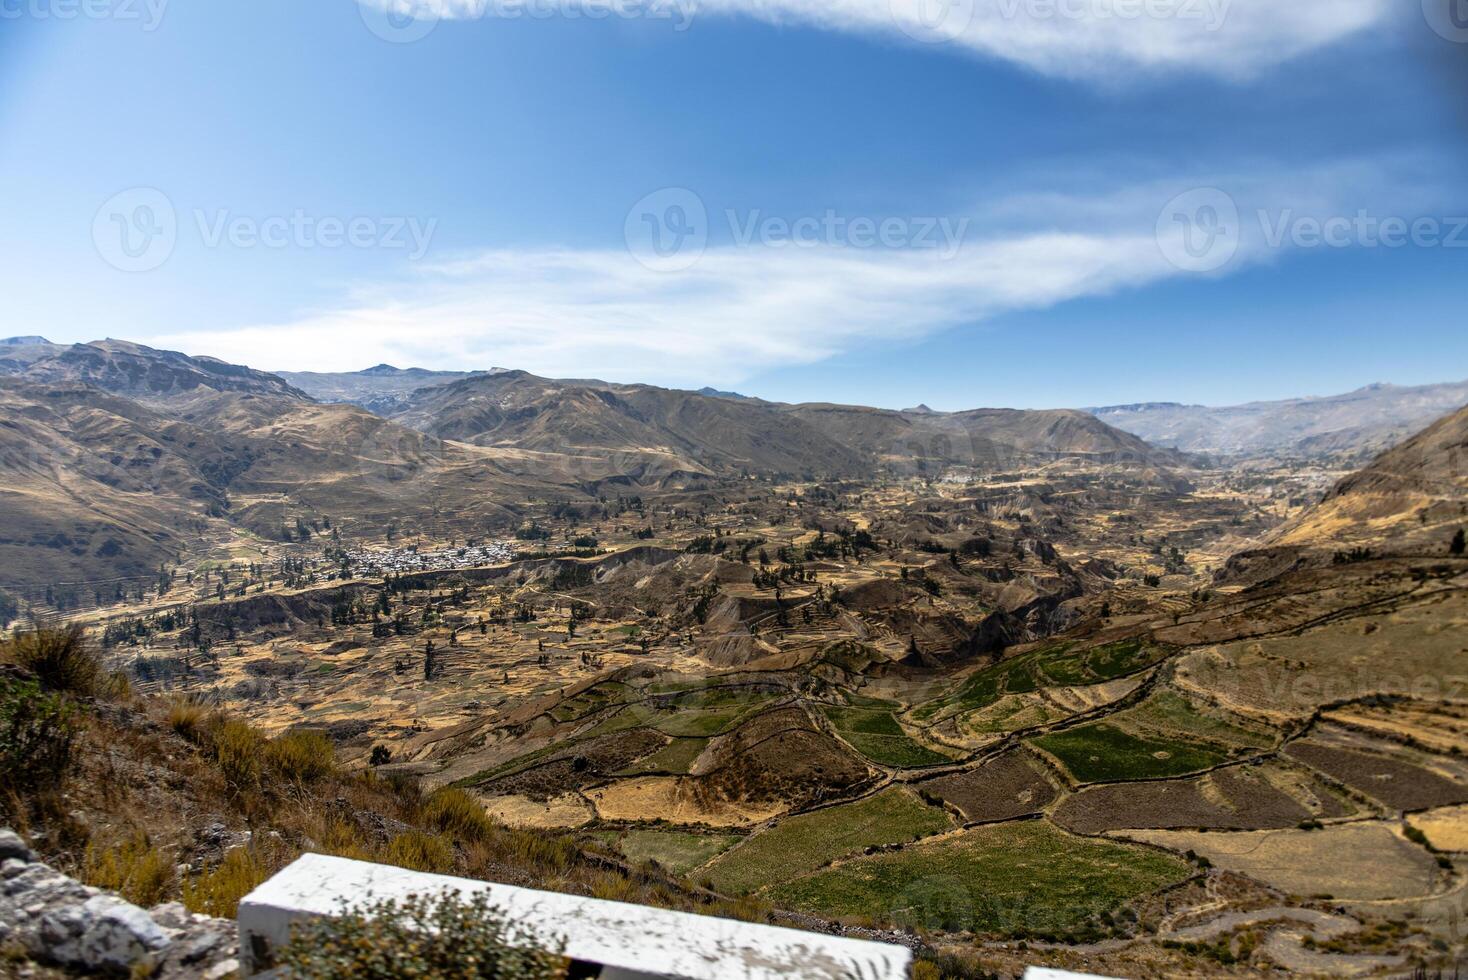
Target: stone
column 12, row 846
column 110, row 934
column 11, row 867
column 222, row 969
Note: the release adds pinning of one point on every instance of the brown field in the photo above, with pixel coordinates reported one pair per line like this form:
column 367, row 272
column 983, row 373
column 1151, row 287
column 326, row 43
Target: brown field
column 1394, row 781
column 1234, row 798
column 1362, row 861
column 1013, row 785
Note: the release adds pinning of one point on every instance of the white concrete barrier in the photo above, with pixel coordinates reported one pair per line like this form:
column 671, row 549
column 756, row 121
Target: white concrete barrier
column 626, row 941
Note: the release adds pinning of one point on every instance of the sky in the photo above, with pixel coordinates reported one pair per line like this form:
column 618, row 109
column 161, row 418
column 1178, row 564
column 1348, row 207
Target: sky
column 962, row 203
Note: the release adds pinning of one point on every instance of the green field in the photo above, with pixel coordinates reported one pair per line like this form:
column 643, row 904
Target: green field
column 1026, row 878
column 1053, row 666
column 805, row 843
column 1169, row 712
column 877, row 735
column 674, row 758
column 676, row 850
column 1101, row 751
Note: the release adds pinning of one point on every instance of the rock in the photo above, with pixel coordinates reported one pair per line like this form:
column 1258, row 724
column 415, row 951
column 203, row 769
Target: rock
column 222, row 969
column 11, row 846
column 108, row 934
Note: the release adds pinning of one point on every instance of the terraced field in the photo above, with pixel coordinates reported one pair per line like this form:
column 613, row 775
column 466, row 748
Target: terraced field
column 1102, row 751
column 1015, row 879
column 806, row 842
column 1058, row 665
column 876, row 734
column 678, row 851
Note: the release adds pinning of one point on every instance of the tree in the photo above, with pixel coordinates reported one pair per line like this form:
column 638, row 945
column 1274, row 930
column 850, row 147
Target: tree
column 1457, row 546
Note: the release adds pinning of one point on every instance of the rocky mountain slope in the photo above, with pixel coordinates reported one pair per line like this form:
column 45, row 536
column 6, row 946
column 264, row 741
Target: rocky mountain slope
column 1411, row 500
column 1362, row 422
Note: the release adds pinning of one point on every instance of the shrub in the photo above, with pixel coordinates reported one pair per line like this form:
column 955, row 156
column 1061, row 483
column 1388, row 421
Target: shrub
column 37, row 733
column 218, row 891
column 302, row 755
column 136, row 869
column 455, row 812
column 419, row 852
column 237, row 749
column 421, row 936
column 381, row 755
column 190, row 720
column 60, row 659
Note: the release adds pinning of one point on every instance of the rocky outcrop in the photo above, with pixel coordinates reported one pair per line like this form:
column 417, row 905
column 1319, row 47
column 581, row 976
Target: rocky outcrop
column 58, row 920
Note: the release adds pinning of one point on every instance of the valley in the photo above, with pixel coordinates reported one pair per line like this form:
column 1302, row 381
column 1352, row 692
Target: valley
column 1012, row 688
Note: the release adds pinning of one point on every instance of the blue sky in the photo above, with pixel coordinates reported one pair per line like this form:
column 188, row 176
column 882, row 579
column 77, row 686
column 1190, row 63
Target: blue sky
column 995, row 211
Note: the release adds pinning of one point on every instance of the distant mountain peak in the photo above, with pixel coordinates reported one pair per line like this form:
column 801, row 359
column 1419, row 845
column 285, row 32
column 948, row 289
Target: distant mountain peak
column 919, row 409
column 716, row 393
column 23, row 341
column 382, row 371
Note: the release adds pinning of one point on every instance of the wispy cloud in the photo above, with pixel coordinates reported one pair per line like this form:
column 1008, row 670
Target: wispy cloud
column 1081, row 39
column 739, row 310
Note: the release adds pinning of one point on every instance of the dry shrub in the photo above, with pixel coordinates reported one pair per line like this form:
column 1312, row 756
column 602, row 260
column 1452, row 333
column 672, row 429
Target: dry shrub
column 140, row 872
column 59, row 658
column 302, row 755
column 190, row 719
column 458, row 814
column 237, row 749
column 419, row 852
column 218, row 891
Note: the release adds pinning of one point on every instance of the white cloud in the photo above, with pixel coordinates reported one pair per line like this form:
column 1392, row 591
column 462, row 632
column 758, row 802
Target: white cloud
column 1110, row 39
column 739, row 310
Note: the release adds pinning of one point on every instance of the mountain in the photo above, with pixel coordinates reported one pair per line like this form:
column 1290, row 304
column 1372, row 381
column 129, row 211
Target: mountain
column 985, row 439
column 650, row 429
column 716, row 434
column 1409, row 502
column 1360, row 423
column 131, row 369
column 383, row 389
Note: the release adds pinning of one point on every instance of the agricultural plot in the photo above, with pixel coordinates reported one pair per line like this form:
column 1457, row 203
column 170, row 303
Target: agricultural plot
column 674, row 759
column 1053, row 666
column 1446, row 828
column 1025, row 878
column 1234, row 798
column 1101, row 752
column 1394, row 781
column 1359, row 861
column 678, row 851
column 806, row 842
column 876, row 734
column 1169, row 712
column 577, row 765
column 1008, row 787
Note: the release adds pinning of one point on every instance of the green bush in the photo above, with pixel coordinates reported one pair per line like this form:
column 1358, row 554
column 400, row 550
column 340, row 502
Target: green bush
column 37, row 733
column 422, row 936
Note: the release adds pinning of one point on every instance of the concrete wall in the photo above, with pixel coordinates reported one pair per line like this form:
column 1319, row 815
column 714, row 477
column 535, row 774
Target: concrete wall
column 628, row 941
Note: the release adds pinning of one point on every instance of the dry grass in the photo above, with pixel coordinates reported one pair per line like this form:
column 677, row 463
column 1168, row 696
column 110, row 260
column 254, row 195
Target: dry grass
column 60, row 659
column 301, row 756
column 136, row 869
column 218, row 891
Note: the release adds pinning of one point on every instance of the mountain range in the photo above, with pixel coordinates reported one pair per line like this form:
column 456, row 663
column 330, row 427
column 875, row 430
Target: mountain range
column 1358, row 424
column 119, row 458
